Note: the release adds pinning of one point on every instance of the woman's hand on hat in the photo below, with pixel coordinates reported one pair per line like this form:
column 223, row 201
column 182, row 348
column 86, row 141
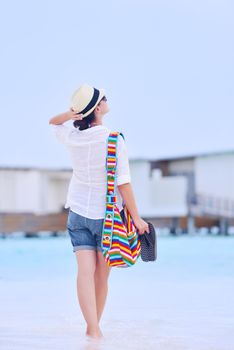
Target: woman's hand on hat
column 74, row 115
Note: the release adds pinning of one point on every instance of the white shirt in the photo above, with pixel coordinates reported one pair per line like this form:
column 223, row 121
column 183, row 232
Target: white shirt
column 88, row 185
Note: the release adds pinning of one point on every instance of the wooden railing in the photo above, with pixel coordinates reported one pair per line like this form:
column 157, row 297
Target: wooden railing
column 204, row 205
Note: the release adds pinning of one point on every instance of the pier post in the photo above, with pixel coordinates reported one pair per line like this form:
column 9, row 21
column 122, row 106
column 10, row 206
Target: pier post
column 223, row 226
column 175, row 225
column 191, row 224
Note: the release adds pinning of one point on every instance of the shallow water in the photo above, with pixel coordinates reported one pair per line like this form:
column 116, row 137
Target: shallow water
column 184, row 300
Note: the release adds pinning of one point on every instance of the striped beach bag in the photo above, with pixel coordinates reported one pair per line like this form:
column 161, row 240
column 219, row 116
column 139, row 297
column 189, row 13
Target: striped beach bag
column 121, row 245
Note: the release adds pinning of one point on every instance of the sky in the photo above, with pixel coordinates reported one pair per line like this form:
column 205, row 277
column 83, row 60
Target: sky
column 167, row 68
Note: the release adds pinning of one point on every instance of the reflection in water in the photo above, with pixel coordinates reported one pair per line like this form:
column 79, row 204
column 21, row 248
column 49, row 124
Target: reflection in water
column 91, row 347
column 92, row 344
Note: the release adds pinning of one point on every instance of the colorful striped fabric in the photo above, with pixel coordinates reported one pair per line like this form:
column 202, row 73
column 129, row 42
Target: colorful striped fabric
column 120, row 241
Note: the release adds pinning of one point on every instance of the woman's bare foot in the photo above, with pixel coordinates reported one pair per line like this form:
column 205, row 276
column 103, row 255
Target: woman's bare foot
column 94, row 333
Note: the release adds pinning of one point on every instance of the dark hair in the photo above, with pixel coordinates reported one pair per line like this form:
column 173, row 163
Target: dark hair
column 84, row 123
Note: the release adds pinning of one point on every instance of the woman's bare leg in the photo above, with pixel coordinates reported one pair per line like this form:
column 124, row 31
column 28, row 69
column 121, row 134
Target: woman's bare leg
column 101, row 286
column 86, row 260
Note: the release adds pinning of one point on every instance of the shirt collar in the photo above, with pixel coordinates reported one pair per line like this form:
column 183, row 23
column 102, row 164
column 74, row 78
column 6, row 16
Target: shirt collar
column 93, row 129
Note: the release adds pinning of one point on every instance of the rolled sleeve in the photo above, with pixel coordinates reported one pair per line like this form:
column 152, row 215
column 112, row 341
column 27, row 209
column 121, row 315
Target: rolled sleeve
column 122, row 170
column 61, row 132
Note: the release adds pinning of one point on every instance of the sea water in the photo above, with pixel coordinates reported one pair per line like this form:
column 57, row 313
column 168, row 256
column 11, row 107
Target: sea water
column 184, row 300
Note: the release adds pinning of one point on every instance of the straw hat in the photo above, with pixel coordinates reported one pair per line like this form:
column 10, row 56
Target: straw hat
column 85, row 99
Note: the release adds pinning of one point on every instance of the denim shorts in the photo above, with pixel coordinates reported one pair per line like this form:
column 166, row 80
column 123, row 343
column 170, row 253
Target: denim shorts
column 85, row 233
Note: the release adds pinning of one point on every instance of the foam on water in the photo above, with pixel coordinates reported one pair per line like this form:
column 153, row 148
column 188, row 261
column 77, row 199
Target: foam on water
column 185, row 300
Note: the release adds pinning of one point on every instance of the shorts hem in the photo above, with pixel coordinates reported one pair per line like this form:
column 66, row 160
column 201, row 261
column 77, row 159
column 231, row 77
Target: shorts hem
column 87, row 247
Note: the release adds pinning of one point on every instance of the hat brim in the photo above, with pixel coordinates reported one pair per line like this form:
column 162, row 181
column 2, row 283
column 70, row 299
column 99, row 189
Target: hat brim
column 101, row 95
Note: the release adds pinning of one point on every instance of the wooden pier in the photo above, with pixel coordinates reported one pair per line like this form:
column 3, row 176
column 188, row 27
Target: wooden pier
column 31, row 224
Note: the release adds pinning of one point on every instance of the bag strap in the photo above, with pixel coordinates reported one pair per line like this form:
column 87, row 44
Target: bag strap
column 111, row 163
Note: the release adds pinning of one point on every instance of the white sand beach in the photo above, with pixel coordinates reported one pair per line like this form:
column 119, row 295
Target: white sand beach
column 185, row 300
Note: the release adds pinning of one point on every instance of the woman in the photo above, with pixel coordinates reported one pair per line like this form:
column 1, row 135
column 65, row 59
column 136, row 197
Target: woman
column 87, row 143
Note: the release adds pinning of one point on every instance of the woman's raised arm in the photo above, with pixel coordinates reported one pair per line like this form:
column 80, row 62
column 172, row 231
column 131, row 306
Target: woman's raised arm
column 64, row 117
